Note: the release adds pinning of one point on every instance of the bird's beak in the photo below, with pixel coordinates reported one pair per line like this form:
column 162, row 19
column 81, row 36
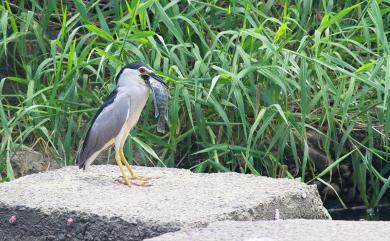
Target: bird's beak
column 158, row 78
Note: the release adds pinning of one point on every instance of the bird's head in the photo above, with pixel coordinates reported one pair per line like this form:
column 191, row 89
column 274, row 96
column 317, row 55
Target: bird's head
column 134, row 73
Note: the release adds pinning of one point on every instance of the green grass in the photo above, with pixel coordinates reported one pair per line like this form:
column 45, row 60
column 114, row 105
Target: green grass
column 248, row 81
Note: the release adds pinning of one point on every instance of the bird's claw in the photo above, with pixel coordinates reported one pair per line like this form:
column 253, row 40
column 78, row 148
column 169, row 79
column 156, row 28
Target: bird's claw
column 144, row 178
column 130, row 182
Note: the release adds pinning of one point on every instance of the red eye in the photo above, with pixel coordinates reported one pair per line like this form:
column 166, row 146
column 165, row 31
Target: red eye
column 141, row 70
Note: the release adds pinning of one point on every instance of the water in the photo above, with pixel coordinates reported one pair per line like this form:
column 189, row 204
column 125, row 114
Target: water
column 382, row 213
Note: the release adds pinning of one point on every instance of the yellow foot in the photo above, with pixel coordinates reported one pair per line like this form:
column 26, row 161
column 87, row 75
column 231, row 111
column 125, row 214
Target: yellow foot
column 130, row 182
column 140, row 177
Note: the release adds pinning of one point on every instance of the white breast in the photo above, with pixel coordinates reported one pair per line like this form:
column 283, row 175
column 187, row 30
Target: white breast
column 133, row 87
column 137, row 93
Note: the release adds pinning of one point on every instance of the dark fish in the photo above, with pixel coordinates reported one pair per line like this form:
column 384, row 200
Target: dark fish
column 160, row 94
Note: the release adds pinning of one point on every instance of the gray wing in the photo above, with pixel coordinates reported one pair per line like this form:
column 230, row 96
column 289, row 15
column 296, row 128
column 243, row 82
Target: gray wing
column 106, row 125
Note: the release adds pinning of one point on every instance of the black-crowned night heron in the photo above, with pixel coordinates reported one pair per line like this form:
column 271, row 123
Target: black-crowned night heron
column 118, row 115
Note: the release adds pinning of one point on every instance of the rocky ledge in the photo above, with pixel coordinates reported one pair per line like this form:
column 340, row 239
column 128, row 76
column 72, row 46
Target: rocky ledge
column 71, row 204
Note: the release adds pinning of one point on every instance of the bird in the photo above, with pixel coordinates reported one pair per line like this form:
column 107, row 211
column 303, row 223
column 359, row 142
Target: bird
column 116, row 117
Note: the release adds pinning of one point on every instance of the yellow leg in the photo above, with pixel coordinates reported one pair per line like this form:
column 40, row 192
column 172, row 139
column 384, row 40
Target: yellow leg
column 132, row 173
column 123, row 158
column 119, row 162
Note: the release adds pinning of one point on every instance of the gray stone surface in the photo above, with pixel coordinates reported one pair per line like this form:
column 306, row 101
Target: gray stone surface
column 27, row 161
column 104, row 209
column 285, row 230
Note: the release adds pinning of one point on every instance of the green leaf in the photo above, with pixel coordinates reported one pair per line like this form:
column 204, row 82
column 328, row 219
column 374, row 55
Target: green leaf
column 47, row 13
column 328, row 21
column 365, row 67
column 168, row 22
column 213, row 83
column 82, row 9
column 99, row 32
column 147, row 148
column 281, row 32
column 334, row 164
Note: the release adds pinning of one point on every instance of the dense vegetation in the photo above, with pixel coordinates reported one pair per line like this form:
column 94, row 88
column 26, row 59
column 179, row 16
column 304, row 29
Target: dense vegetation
column 280, row 88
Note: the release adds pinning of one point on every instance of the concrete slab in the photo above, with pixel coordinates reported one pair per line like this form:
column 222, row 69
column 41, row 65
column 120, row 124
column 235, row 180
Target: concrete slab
column 69, row 204
column 284, row 230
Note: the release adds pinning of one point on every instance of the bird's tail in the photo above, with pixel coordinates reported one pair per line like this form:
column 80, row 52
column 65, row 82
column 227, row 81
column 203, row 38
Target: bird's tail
column 81, row 158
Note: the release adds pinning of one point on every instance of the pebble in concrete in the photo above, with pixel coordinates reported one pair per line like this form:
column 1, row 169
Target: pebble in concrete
column 103, row 209
column 284, row 230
